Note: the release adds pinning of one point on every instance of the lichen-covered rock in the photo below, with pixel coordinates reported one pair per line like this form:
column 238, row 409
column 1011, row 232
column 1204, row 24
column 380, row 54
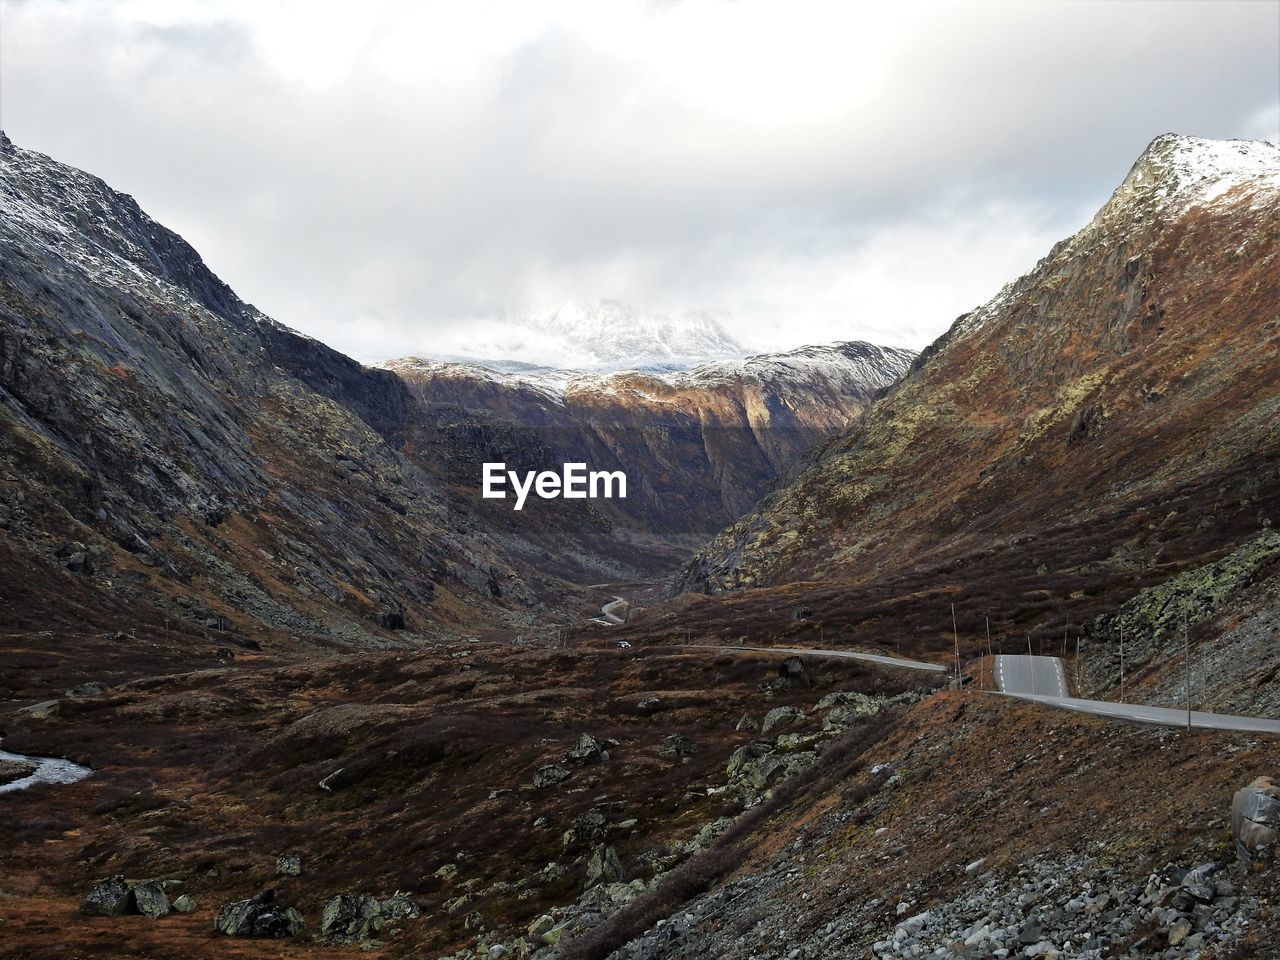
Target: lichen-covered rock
column 349, row 917
column 549, row 774
column 288, row 865
column 604, row 867
column 779, row 717
column 183, row 904
column 150, row 899
column 400, row 906
column 745, row 757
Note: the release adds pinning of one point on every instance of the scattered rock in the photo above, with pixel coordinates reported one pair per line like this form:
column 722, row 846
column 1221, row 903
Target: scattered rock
column 447, row 872
column 780, row 716
column 548, row 775
column 288, row 865
column 458, row 904
column 400, row 906
column 604, row 867
column 108, row 898
column 745, row 757
column 587, row 828
column 258, row 916
column 42, row 710
column 794, row 674
column 1255, row 817
column 677, row 745
column 183, row 904
column 91, row 689
column 649, row 706
column 586, row 751
column 349, row 917
column 150, row 899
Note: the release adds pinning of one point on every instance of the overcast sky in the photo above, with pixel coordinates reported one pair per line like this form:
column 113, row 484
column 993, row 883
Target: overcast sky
column 384, row 174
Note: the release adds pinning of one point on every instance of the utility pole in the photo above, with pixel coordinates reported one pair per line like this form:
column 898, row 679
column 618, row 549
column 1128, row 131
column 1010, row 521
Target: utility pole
column 1079, row 672
column 1186, row 655
column 990, row 661
column 1122, row 663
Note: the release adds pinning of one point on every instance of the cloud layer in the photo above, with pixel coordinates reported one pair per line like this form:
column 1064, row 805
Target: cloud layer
column 382, row 175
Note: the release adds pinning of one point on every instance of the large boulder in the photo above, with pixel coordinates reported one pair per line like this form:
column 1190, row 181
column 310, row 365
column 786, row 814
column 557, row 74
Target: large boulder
column 258, row 916
column 150, row 899
column 1255, row 817
column 742, row 760
column 108, row 898
column 586, row 751
column 349, row 917
column 400, row 906
column 793, row 673
column 604, row 867
column 780, row 716
column 549, row 774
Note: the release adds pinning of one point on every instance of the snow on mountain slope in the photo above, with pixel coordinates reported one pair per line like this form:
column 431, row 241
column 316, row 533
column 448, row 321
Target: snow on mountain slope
column 1174, row 174
column 854, row 369
column 608, row 335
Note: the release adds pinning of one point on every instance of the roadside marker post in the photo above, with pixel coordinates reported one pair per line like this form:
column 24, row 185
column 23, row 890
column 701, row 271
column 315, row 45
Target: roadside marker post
column 956, row 632
column 1186, row 655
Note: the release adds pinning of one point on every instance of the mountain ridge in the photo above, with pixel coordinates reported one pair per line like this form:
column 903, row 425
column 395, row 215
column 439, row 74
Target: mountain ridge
column 1075, row 356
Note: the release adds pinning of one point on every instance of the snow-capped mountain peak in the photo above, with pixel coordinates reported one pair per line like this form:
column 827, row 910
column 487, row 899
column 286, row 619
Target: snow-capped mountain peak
column 600, row 336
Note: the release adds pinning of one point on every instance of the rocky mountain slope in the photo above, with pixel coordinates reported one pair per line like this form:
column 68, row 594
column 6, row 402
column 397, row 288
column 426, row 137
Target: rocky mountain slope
column 175, row 459
column 1133, row 373
column 699, row 446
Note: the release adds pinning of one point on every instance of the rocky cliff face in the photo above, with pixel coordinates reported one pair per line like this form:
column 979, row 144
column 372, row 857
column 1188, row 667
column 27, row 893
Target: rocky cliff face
column 1118, row 404
column 171, row 452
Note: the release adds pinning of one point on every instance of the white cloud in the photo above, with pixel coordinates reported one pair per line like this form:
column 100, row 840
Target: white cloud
column 381, row 175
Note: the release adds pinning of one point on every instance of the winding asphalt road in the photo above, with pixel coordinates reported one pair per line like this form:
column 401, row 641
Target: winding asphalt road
column 1042, row 680
column 607, row 617
column 1039, row 680
column 1022, row 673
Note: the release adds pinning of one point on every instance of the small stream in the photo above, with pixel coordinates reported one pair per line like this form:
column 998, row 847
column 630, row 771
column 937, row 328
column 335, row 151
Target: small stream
column 48, row 770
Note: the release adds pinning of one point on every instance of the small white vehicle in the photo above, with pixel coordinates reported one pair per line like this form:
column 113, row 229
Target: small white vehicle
column 623, row 645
